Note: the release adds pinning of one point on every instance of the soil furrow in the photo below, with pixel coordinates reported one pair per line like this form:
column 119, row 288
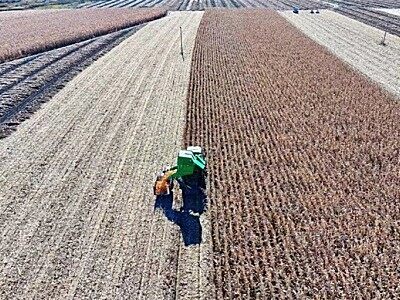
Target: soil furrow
column 27, row 96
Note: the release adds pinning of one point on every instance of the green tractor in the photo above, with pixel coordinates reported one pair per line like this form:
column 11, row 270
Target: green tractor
column 190, row 169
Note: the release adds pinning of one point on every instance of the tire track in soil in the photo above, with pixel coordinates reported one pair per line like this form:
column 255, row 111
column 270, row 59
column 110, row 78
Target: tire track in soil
column 77, row 202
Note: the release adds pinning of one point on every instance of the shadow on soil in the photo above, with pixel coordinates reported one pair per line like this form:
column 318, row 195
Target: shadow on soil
column 188, row 217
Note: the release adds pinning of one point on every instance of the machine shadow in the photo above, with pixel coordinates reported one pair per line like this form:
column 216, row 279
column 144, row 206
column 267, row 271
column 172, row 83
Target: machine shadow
column 188, row 217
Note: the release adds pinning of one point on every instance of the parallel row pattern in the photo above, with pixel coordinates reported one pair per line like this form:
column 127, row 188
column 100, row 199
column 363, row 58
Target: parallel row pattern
column 204, row 4
column 376, row 18
column 28, row 82
column 77, row 212
column 303, row 163
column 25, row 33
column 356, row 43
column 368, row 3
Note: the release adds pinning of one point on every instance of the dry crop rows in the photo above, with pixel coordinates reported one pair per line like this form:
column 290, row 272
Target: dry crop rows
column 20, row 31
column 303, row 163
column 28, row 82
column 376, row 18
column 356, row 43
column 76, row 204
column 204, row 4
column 369, row 3
column 171, row 4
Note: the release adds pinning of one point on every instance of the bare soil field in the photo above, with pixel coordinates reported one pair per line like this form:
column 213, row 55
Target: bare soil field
column 391, row 11
column 77, row 209
column 303, row 163
column 205, row 4
column 369, row 3
column 28, row 82
column 355, row 43
column 376, row 18
column 24, row 33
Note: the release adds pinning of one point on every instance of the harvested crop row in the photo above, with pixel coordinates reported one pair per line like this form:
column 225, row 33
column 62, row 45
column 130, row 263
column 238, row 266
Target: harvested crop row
column 356, row 43
column 204, row 4
column 28, row 82
column 23, row 33
column 131, row 3
column 76, row 198
column 372, row 3
column 303, row 163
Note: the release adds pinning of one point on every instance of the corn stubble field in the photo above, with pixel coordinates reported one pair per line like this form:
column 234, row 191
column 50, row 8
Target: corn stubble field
column 299, row 118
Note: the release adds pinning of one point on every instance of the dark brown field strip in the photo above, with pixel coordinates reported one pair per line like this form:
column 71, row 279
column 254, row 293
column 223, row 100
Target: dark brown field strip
column 304, row 163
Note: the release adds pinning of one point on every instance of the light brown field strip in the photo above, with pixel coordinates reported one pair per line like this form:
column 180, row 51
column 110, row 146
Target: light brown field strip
column 76, row 202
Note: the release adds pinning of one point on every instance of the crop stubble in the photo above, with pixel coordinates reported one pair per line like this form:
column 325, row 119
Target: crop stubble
column 28, row 82
column 76, row 203
column 303, row 163
column 376, row 18
column 355, row 43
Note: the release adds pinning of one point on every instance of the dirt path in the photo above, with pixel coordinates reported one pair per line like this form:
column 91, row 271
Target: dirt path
column 356, row 43
column 76, row 204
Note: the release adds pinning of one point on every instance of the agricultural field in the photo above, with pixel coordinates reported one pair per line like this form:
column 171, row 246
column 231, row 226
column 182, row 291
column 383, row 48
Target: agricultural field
column 170, row 4
column 77, row 206
column 379, row 19
column 58, row 28
column 298, row 115
column 391, row 11
column 355, row 43
column 28, row 82
column 205, row 4
column 367, row 3
column 303, row 163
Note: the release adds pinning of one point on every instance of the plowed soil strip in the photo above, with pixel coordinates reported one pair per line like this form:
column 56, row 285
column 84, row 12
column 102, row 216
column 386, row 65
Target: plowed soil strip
column 23, row 87
column 76, row 204
column 356, row 43
column 303, row 163
column 378, row 19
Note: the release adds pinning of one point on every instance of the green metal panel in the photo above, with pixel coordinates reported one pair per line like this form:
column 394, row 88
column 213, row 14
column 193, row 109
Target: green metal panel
column 187, row 162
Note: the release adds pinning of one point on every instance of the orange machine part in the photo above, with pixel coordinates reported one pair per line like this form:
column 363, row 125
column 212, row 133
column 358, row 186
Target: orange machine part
column 162, row 184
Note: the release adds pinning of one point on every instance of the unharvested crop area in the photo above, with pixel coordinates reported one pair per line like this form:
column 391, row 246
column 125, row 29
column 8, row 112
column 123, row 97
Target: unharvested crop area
column 304, row 165
column 76, row 201
column 356, row 43
column 25, row 32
